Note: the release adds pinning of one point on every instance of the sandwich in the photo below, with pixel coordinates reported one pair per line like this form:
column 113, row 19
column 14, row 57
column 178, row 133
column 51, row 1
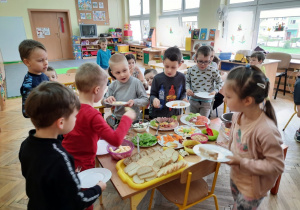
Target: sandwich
column 208, row 153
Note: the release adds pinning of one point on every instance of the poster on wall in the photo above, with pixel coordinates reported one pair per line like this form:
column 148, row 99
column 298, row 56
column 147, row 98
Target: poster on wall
column 39, row 33
column 82, row 16
column 92, row 12
column 3, row 1
column 88, row 16
column 99, row 15
column 46, row 31
column 85, row 4
column 95, row 4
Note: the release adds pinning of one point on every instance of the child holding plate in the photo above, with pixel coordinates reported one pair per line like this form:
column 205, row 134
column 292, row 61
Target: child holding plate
column 203, row 81
column 168, row 85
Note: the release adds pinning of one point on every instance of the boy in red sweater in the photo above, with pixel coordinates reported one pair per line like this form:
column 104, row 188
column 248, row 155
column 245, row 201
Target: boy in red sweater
column 81, row 142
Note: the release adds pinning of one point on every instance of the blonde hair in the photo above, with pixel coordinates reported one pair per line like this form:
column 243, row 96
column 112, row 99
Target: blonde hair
column 116, row 59
column 90, row 75
column 102, row 40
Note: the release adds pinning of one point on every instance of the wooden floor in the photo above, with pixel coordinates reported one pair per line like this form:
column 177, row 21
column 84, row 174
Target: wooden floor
column 12, row 185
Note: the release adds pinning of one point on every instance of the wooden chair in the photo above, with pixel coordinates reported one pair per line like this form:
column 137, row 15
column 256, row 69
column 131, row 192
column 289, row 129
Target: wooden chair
column 71, row 85
column 274, row 190
column 295, row 109
column 72, row 71
column 283, row 64
column 191, row 188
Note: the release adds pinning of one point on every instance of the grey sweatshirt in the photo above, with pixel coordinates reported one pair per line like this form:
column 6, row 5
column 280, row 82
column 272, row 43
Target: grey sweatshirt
column 132, row 89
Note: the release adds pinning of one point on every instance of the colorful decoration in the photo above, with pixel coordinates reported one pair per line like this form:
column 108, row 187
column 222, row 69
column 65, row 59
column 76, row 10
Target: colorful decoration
column 239, row 27
column 171, row 32
column 279, row 27
column 232, row 38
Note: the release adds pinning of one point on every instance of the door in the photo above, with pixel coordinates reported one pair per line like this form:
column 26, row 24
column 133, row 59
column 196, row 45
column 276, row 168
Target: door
column 58, row 40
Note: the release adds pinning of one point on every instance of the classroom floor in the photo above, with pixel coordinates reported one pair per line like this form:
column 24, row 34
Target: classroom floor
column 12, row 184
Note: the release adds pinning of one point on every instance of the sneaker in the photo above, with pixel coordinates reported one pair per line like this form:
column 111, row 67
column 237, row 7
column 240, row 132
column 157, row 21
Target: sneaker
column 297, row 136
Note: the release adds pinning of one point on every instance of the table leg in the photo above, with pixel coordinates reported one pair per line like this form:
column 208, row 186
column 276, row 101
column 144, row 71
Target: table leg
column 136, row 199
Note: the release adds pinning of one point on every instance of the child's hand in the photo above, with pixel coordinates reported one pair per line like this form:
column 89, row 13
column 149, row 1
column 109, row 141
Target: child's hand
column 130, row 113
column 189, row 92
column 110, row 100
column 130, row 103
column 156, row 103
column 213, row 93
column 234, row 160
column 102, row 185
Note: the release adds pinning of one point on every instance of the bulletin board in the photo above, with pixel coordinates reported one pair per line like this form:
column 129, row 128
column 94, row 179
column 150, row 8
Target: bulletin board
column 92, row 12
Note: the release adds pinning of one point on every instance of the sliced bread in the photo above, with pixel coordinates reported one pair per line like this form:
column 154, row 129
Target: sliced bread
column 133, row 171
column 175, row 156
column 131, row 166
column 148, row 175
column 168, row 152
column 144, row 170
column 137, row 180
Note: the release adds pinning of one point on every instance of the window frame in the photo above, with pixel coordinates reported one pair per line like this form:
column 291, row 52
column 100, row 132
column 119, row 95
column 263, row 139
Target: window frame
column 140, row 17
column 183, row 11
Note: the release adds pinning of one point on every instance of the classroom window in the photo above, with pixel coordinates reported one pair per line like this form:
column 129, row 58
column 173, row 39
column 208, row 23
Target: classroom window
column 170, row 32
column 240, row 1
column 192, row 4
column 188, row 24
column 146, row 7
column 172, row 5
column 135, row 7
column 139, row 20
column 280, row 34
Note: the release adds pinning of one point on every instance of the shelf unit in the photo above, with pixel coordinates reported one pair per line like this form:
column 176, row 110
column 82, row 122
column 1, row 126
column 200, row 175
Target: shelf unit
column 87, row 48
column 203, row 42
column 138, row 49
column 112, row 42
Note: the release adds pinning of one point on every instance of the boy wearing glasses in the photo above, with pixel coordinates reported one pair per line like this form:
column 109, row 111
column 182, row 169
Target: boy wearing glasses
column 202, row 78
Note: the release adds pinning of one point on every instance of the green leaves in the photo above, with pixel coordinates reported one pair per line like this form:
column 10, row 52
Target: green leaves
column 146, row 140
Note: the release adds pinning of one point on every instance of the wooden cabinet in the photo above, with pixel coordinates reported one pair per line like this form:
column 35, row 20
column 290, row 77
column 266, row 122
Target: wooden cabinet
column 89, row 47
column 138, row 49
column 202, row 42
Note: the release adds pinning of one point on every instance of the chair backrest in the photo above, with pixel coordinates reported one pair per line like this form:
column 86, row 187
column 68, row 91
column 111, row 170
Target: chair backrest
column 183, row 66
column 284, row 57
column 72, row 71
column 199, row 170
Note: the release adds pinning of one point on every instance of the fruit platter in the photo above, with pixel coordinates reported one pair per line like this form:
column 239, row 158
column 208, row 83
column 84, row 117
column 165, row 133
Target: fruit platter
column 164, row 123
column 194, row 120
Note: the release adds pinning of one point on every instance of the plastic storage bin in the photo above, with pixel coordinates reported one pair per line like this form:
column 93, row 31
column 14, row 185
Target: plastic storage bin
column 225, row 56
column 123, row 48
column 127, row 33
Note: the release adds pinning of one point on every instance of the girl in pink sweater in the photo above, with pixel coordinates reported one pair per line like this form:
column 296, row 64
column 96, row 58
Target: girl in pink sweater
column 255, row 141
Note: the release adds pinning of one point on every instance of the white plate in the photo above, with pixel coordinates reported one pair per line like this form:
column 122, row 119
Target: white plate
column 204, row 95
column 169, row 144
column 101, row 147
column 170, row 104
column 176, row 130
column 184, row 121
column 119, row 103
column 162, row 128
column 214, row 148
column 89, row 178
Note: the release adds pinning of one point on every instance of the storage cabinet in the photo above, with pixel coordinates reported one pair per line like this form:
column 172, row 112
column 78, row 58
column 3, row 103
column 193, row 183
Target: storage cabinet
column 138, row 49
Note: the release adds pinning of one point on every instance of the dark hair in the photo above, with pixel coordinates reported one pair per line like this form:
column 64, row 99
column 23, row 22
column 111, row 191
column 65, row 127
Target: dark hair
column 203, row 50
column 216, row 60
column 90, row 75
column 259, row 55
column 130, row 56
column 251, row 81
column 27, row 46
column 147, row 71
column 50, row 101
column 211, row 48
column 173, row 54
column 110, row 74
column 50, row 68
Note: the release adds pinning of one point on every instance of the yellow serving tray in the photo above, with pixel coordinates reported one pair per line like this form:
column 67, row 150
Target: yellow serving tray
column 127, row 179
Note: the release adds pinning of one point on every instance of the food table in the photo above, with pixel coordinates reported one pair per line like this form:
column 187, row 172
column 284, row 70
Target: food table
column 137, row 195
column 66, row 79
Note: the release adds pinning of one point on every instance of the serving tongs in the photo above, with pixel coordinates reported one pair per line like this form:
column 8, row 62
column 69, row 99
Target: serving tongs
column 138, row 143
column 208, row 130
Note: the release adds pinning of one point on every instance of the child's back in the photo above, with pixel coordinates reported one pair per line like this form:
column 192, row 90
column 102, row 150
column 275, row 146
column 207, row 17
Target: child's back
column 51, row 181
column 34, row 56
column 90, row 126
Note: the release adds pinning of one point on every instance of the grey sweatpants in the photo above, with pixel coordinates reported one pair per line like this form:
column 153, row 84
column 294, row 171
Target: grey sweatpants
column 200, row 107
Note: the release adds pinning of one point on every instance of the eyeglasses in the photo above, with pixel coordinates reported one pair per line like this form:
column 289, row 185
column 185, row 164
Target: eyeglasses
column 203, row 62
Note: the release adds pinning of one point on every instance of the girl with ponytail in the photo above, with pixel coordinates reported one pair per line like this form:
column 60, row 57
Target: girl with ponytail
column 255, row 141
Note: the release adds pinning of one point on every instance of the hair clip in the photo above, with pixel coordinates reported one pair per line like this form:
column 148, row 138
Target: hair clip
column 261, row 85
column 247, row 65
